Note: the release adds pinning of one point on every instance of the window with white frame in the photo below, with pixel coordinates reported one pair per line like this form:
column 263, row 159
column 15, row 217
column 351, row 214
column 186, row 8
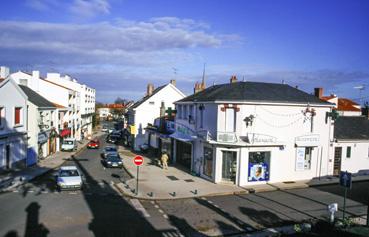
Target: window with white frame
column 348, row 152
column 230, row 120
column 2, row 116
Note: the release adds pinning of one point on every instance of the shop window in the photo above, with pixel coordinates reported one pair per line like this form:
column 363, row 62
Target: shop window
column 303, row 158
column 208, row 161
column 17, row 116
column 259, row 163
column 348, row 152
column 185, row 112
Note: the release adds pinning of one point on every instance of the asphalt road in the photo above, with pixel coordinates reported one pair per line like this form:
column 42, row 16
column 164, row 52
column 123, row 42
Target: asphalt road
column 37, row 209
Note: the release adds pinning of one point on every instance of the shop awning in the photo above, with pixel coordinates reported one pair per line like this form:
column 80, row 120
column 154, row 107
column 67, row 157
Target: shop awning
column 182, row 137
column 65, row 132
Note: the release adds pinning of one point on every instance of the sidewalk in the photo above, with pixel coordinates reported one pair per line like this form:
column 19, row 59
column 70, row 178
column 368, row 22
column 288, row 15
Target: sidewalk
column 19, row 177
column 173, row 183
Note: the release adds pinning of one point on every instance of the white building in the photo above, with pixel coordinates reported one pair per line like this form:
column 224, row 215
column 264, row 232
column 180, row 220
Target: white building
column 64, row 98
column 146, row 110
column 343, row 106
column 85, row 101
column 13, row 125
column 249, row 133
column 42, row 120
column 351, row 147
column 104, row 113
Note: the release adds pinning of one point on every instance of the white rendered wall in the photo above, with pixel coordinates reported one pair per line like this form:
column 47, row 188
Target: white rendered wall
column 359, row 160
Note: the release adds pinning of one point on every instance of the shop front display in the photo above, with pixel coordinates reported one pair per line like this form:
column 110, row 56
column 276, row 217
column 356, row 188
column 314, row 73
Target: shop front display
column 259, row 166
column 229, row 166
column 184, row 154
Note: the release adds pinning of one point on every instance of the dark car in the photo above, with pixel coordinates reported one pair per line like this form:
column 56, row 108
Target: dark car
column 112, row 138
column 113, row 161
column 109, row 150
column 93, row 144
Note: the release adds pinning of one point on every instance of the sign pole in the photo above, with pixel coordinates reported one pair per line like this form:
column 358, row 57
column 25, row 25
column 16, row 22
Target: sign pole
column 344, row 205
column 138, row 168
column 367, row 214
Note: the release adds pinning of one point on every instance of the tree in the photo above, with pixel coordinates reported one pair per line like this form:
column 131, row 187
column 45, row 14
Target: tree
column 120, row 101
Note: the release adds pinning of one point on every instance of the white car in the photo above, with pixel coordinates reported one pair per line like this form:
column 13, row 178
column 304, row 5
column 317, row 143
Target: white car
column 104, row 128
column 69, row 177
column 69, row 144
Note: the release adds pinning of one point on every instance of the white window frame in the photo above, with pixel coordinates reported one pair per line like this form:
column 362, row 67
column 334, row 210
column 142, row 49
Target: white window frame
column 2, row 116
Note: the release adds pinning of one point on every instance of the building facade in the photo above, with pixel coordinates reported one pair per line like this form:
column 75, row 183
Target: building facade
column 351, row 146
column 249, row 133
column 146, row 110
column 13, row 126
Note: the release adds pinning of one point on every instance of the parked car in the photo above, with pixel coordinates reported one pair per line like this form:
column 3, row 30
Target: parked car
column 94, row 144
column 69, row 177
column 69, row 144
column 104, row 128
column 109, row 150
column 113, row 161
column 113, row 138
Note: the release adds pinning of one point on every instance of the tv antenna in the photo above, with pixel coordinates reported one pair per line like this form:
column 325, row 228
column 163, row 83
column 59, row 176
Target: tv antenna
column 360, row 88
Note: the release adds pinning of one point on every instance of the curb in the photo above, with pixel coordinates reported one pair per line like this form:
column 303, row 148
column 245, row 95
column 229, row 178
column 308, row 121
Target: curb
column 125, row 193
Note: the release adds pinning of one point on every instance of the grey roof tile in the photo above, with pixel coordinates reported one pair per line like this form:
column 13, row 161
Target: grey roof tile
column 352, row 128
column 36, row 98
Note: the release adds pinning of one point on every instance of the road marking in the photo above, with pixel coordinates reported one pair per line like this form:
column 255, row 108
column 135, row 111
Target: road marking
column 165, row 216
column 138, row 206
column 152, row 202
column 161, row 211
column 30, row 191
column 156, row 206
column 15, row 191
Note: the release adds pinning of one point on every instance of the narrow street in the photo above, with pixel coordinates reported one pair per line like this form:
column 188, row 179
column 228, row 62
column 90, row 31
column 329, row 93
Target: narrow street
column 38, row 209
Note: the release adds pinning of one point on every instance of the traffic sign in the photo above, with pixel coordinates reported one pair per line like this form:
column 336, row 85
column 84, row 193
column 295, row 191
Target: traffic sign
column 345, row 179
column 138, row 160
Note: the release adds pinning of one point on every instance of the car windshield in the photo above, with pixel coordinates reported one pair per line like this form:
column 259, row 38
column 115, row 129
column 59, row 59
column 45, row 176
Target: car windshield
column 68, row 142
column 68, row 173
column 93, row 141
column 110, row 149
column 113, row 158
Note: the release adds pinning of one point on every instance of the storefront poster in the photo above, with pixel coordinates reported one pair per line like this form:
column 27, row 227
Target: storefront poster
column 300, row 158
column 258, row 172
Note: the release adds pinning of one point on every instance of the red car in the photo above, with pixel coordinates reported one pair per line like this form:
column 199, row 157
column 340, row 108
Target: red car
column 94, row 144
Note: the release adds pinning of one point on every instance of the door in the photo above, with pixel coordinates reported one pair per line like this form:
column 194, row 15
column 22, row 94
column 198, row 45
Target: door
column 184, row 154
column 7, row 156
column 229, row 166
column 337, row 160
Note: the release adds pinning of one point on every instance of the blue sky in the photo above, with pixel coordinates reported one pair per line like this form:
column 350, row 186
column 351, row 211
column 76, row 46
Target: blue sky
column 119, row 46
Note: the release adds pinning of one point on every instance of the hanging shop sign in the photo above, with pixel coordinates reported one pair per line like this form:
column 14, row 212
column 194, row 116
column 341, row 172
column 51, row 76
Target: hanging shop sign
column 258, row 172
column 256, row 138
column 308, row 140
column 42, row 137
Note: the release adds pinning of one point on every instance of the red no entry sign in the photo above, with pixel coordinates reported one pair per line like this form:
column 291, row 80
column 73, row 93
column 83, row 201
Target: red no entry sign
column 138, row 160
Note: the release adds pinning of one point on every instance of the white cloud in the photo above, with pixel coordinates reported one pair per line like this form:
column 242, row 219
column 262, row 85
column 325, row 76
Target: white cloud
column 90, row 8
column 41, row 5
column 154, row 41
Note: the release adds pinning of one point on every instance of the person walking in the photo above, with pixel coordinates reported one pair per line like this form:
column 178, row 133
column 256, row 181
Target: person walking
column 164, row 160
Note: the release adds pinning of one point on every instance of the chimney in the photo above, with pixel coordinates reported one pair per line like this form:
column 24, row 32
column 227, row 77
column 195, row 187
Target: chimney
column 35, row 80
column 162, row 109
column 150, row 89
column 318, row 92
column 4, row 72
column 173, row 82
column 233, row 79
column 196, row 88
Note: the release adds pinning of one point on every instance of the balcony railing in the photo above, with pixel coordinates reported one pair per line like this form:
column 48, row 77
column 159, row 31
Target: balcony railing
column 228, row 137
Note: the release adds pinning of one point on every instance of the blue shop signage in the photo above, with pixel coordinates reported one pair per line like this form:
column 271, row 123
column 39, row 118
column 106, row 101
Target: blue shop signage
column 42, row 137
column 258, row 172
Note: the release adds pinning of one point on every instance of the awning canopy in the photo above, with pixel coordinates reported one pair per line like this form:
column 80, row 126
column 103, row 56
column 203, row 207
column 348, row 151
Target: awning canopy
column 65, row 132
column 182, row 137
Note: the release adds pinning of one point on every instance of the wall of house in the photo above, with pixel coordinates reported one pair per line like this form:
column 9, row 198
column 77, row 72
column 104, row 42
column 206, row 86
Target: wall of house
column 14, row 136
column 150, row 109
column 33, row 130
column 359, row 160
